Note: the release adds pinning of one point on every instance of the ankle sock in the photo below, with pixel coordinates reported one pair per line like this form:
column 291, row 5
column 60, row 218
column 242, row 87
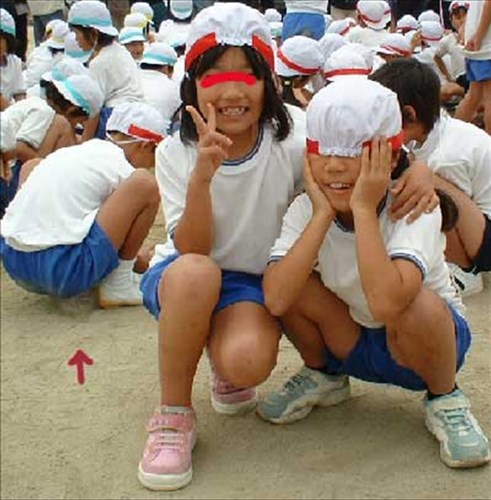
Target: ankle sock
column 431, row 396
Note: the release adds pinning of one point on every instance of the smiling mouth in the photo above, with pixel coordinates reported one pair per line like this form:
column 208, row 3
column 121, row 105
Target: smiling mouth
column 233, row 111
column 339, row 186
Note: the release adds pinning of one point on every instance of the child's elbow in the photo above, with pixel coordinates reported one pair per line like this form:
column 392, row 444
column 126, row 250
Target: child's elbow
column 274, row 303
column 385, row 311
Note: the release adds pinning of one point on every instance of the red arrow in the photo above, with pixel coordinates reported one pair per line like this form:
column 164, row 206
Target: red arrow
column 78, row 359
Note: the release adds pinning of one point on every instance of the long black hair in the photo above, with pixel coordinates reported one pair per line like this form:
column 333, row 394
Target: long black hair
column 92, row 35
column 59, row 102
column 274, row 111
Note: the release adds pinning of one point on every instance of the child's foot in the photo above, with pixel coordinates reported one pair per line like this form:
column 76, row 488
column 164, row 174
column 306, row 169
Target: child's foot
column 230, row 400
column 123, row 291
column 306, row 389
column 467, row 284
column 462, row 441
column 166, row 462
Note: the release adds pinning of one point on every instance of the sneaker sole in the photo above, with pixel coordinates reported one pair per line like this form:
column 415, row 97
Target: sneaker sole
column 304, row 406
column 107, row 304
column 449, row 461
column 167, row 482
column 234, row 408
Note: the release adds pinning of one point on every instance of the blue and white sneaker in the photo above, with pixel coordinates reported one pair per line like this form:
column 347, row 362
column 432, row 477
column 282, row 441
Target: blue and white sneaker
column 306, row 389
column 462, row 441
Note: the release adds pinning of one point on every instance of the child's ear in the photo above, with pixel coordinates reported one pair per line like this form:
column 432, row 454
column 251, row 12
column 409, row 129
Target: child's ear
column 409, row 115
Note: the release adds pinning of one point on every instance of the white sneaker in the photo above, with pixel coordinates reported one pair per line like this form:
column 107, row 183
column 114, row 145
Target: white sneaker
column 467, row 284
column 121, row 287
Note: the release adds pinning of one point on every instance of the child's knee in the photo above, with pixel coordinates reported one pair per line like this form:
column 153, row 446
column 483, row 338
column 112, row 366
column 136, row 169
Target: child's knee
column 144, row 183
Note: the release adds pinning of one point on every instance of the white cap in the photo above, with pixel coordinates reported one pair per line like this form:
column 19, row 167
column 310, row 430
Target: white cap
column 130, row 34
column 73, row 49
column 407, row 23
column 143, row 8
column 51, row 25
column 272, row 16
column 181, row 9
column 341, row 26
column 7, row 23
column 82, row 91
column 138, row 120
column 395, row 44
column 429, row 15
column 276, row 28
column 65, row 68
column 159, row 54
column 347, row 62
column 92, row 14
column 432, row 32
column 58, row 35
column 232, row 24
column 7, row 134
column 458, row 4
column 344, row 116
column 374, row 13
column 329, row 43
column 135, row 20
column 299, row 55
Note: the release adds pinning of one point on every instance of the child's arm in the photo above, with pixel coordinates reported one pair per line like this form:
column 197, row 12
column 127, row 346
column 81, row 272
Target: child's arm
column 284, row 280
column 194, row 232
column 389, row 285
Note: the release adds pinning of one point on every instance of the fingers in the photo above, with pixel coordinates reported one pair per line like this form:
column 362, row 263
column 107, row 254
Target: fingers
column 365, row 159
column 212, row 138
column 198, row 120
column 420, row 208
column 212, row 117
column 398, row 212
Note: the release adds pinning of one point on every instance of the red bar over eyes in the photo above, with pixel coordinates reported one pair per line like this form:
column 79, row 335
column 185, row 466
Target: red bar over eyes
column 231, row 76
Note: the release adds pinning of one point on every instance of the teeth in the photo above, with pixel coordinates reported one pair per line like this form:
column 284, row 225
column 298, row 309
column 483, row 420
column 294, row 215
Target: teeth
column 339, row 185
column 233, row 111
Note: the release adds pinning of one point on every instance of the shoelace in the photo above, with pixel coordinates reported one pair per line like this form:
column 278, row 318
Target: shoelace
column 457, row 419
column 168, row 437
column 293, row 383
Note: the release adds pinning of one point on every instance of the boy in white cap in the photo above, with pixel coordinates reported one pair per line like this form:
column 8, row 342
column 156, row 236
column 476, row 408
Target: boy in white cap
column 407, row 23
column 12, row 83
column 83, row 212
column 431, row 35
column 111, row 65
column 133, row 40
column 160, row 91
column 359, row 294
column 347, row 62
column 373, row 17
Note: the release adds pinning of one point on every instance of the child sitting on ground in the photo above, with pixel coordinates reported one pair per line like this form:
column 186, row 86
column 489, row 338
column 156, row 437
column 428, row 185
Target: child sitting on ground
column 358, row 294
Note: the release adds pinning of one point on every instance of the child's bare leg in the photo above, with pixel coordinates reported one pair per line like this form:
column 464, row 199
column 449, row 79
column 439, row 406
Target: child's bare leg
column 318, row 319
column 27, row 169
column 465, row 242
column 128, row 214
column 486, row 99
column 422, row 338
column 188, row 293
column 244, row 342
column 469, row 105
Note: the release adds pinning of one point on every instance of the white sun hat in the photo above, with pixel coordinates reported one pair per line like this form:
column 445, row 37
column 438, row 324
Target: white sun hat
column 344, row 116
column 130, row 35
column 138, row 120
column 159, row 54
column 429, row 15
column 73, row 49
column 276, row 28
column 143, row 8
column 7, row 23
column 65, row 68
column 82, row 91
column 50, row 26
column 181, row 9
column 407, row 23
column 374, row 13
column 432, row 32
column 232, row 24
column 346, row 62
column 135, row 20
column 92, row 14
column 329, row 43
column 395, row 44
column 341, row 26
column 299, row 55
column 272, row 15
column 58, row 35
column 458, row 4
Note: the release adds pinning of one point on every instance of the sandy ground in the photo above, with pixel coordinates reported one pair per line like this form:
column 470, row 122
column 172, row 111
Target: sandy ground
column 60, row 439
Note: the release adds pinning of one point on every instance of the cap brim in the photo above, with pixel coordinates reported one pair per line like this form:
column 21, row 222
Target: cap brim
column 380, row 25
column 55, row 45
column 281, row 69
column 108, row 30
column 344, row 77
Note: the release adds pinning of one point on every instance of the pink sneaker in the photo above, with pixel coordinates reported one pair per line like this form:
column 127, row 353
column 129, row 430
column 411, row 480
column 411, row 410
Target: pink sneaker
column 166, row 462
column 230, row 400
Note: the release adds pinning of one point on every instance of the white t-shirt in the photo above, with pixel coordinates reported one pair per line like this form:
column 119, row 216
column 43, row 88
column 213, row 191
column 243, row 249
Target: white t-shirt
column 249, row 196
column 422, row 243
column 427, row 56
column 460, row 153
column 179, row 71
column 366, row 36
column 40, row 62
column 471, row 23
column 117, row 74
column 161, row 93
column 30, row 119
column 312, row 6
column 11, row 78
column 59, row 201
column 450, row 45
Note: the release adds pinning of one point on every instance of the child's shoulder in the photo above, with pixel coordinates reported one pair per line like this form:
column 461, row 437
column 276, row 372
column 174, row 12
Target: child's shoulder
column 172, row 148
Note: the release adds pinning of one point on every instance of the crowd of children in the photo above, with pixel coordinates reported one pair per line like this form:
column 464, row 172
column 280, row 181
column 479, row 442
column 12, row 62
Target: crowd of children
column 313, row 183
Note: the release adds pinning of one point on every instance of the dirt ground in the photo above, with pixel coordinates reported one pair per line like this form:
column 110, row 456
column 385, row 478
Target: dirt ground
column 62, row 440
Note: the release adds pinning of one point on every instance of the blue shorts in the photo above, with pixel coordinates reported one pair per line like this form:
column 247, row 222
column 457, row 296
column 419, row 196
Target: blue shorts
column 236, row 287
column 478, row 71
column 8, row 189
column 62, row 270
column 104, row 115
column 303, row 23
column 370, row 359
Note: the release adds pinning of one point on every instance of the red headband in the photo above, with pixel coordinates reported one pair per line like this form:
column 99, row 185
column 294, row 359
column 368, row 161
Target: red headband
column 397, row 50
column 293, row 66
column 142, row 133
column 366, row 18
column 346, row 71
